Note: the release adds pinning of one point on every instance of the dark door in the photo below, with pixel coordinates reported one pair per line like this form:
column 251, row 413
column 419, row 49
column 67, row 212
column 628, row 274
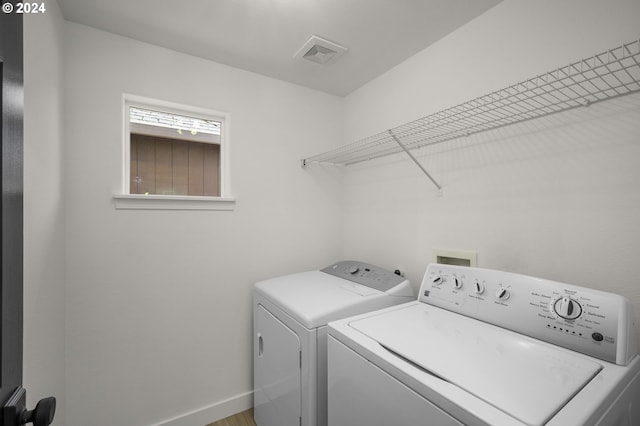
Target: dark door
column 12, row 395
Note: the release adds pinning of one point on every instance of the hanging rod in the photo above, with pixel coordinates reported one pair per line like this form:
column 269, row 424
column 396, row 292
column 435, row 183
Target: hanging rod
column 606, row 75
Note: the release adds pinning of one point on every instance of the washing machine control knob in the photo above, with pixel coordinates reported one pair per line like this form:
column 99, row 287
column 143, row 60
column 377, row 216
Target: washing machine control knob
column 503, row 294
column 457, row 282
column 478, row 287
column 436, row 280
column 354, row 270
column 567, row 308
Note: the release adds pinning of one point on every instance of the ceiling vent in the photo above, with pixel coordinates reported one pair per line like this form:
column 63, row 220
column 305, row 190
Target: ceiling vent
column 320, row 51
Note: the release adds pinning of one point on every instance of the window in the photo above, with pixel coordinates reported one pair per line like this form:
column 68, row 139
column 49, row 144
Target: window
column 173, row 152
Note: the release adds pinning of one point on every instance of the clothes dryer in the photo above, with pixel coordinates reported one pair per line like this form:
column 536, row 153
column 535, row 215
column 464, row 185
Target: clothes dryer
column 290, row 316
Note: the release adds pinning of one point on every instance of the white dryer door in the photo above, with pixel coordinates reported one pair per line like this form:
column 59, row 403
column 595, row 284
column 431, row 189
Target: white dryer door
column 276, row 363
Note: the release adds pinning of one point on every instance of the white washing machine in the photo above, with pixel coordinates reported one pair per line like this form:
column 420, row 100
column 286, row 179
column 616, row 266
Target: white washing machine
column 484, row 347
column 290, row 316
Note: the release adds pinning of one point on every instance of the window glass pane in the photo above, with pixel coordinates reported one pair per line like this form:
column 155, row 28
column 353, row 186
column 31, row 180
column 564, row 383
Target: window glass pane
column 172, row 154
column 174, row 121
column 162, row 166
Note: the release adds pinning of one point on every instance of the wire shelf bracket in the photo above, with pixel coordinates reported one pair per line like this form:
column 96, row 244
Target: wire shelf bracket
column 404, row 148
column 604, row 76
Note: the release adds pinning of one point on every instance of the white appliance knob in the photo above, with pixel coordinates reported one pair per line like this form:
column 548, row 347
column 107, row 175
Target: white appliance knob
column 457, row 283
column 436, row 280
column 503, row 294
column 567, row 308
column 478, row 287
column 354, row 270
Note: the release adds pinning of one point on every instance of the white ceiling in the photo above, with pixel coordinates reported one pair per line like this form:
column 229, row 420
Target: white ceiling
column 263, row 35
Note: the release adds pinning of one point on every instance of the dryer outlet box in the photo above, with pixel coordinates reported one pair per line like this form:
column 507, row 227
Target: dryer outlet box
column 455, row 257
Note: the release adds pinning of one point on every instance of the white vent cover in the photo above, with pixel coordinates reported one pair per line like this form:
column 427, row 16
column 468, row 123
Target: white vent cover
column 320, row 51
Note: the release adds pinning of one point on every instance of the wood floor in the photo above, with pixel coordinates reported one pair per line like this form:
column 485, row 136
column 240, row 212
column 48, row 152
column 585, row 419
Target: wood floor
column 241, row 419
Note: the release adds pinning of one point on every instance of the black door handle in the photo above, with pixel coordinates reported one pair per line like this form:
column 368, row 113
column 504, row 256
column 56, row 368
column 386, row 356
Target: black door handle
column 42, row 415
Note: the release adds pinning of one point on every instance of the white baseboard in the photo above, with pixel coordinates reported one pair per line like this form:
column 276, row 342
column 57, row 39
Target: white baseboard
column 212, row 413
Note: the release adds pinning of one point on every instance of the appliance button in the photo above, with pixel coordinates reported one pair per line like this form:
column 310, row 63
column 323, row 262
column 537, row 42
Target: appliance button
column 354, row 270
column 597, row 337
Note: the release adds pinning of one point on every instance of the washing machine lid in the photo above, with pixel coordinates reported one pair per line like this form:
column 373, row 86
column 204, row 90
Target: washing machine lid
column 314, row 298
column 525, row 378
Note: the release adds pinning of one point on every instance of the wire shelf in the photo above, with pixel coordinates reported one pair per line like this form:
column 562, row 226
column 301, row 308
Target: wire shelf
column 607, row 75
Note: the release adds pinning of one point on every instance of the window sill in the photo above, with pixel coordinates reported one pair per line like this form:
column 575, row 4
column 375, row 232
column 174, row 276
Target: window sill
column 172, row 202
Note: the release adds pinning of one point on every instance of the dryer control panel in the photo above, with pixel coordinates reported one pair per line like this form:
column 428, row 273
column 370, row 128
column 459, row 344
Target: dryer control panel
column 589, row 321
column 365, row 274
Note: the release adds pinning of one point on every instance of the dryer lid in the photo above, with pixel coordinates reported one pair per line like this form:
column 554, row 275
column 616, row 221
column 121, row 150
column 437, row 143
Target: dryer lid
column 314, row 298
column 527, row 379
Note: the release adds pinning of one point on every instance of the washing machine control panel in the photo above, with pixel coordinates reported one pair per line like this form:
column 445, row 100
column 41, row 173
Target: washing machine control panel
column 589, row 321
column 365, row 274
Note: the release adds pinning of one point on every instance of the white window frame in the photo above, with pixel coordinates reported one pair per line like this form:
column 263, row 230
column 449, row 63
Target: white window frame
column 125, row 200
